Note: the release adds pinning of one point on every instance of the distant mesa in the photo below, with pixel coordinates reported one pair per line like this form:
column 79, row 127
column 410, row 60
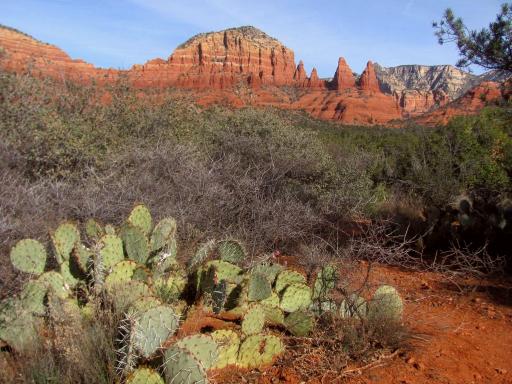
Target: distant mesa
column 245, row 66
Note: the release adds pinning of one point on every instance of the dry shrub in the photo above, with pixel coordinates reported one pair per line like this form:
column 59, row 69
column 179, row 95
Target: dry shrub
column 76, row 352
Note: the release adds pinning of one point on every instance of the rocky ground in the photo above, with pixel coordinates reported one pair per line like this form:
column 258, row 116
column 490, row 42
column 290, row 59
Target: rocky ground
column 458, row 335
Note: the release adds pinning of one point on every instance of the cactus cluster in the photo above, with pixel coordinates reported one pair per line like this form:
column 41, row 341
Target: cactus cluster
column 133, row 271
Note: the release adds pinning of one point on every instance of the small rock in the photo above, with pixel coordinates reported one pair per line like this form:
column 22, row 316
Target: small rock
column 501, row 371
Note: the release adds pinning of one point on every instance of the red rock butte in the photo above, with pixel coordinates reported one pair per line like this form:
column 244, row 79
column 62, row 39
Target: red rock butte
column 240, row 66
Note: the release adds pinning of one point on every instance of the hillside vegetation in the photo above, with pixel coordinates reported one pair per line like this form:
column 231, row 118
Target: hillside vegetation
column 273, row 178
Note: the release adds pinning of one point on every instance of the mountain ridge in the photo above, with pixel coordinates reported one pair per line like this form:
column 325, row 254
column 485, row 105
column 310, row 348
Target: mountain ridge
column 213, row 65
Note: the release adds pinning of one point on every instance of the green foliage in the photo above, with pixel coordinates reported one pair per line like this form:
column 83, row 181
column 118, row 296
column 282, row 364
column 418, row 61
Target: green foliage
column 287, row 277
column 163, row 234
column 111, row 250
column 203, row 347
column 488, row 48
column 228, row 343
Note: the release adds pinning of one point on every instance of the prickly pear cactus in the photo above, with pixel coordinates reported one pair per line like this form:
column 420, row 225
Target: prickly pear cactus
column 202, row 347
column 231, row 251
column 121, row 273
column 80, row 258
column 93, row 229
column 140, row 217
column 171, row 286
column 295, row 297
column 299, row 323
column 54, row 282
column 181, row 366
column 64, row 239
column 259, row 350
column 135, row 243
column 254, row 320
column 270, row 271
column 153, row 327
column 386, row 303
column 126, row 294
column 144, row 303
column 29, row 256
column 353, row 306
column 111, row 250
column 287, row 277
column 204, row 252
column 273, row 314
column 32, row 297
column 18, row 327
column 219, row 296
column 228, row 343
column 68, row 273
column 144, row 376
column 325, row 281
column 259, row 287
column 163, row 234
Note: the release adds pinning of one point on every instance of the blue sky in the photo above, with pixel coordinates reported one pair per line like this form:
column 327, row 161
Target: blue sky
column 120, row 33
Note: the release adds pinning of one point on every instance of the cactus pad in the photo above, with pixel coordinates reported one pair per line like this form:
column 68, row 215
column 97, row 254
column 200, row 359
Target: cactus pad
column 270, row 271
column 231, row 251
column 259, row 350
column 170, row 287
column 299, row 323
column 135, row 243
column 121, row 273
column 64, row 239
column 142, row 304
column 204, row 252
column 18, row 328
column 386, row 303
column 325, row 281
column 202, row 347
column 80, row 258
column 111, row 250
column 144, row 376
column 228, row 344
column 68, row 275
column 126, row 294
column 32, row 297
column 353, row 306
column 287, row 277
column 295, row 297
column 140, row 217
column 93, row 229
column 259, row 287
column 254, row 320
column 54, row 282
column 29, row 256
column 273, row 315
column 180, row 366
column 163, row 234
column 153, row 327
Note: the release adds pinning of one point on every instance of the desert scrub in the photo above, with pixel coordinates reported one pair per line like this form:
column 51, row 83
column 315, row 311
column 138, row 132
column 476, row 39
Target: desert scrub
column 116, row 303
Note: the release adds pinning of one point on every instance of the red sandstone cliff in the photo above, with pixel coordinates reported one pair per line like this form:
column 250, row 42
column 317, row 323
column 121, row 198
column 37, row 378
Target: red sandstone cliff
column 211, row 66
